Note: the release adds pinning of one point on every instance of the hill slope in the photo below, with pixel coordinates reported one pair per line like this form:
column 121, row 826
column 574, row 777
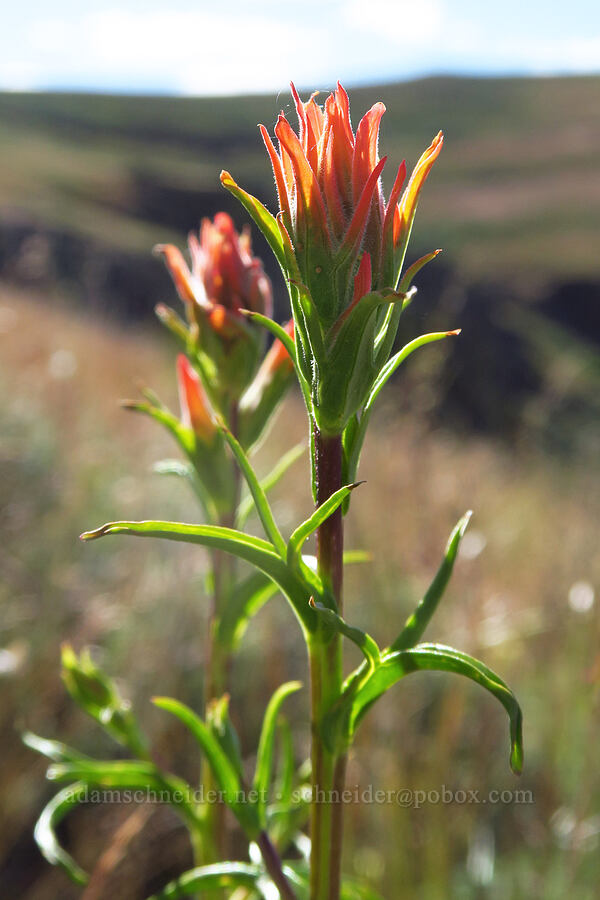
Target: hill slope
column 517, row 189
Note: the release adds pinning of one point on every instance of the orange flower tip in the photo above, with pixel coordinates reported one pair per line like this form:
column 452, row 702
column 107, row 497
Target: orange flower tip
column 225, row 177
column 456, row 331
column 311, row 602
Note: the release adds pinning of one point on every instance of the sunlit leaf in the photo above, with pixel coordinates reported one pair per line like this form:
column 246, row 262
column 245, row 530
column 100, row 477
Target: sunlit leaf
column 220, row 875
column 54, row 750
column 128, row 775
column 254, row 550
column 277, row 472
column 439, row 658
column 225, row 772
column 264, row 759
column 314, row 521
column 417, row 623
column 45, row 831
column 257, row 491
column 246, row 599
column 263, row 218
column 363, row 641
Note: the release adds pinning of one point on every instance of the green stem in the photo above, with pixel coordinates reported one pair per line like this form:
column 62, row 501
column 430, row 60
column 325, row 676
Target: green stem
column 326, row 682
column 217, row 671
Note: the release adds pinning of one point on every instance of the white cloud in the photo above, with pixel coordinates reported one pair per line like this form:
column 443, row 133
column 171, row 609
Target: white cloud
column 207, row 48
column 401, row 22
column 192, row 51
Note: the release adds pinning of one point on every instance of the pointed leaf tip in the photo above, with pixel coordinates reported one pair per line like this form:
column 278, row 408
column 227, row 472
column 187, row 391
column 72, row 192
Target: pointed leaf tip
column 454, row 333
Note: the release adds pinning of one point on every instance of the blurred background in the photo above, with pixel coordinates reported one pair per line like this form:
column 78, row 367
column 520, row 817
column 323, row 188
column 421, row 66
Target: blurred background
column 113, row 129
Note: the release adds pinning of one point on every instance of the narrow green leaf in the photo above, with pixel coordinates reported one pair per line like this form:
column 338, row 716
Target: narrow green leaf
column 392, row 364
column 416, row 624
column 437, row 657
column 286, row 769
column 174, row 467
column 264, row 759
column 221, row 726
column 171, row 320
column 414, row 269
column 351, row 557
column 162, row 415
column 220, row 875
column 256, row 551
column 366, row 644
column 263, row 218
column 108, row 773
column 315, row 520
column 53, row 750
column 246, row 599
column 224, row 771
column 45, row 831
column 258, row 494
column 355, row 438
column 275, row 328
column 277, row 472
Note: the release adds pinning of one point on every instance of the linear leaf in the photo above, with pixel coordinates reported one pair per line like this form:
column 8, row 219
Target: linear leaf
column 416, row 624
column 264, row 758
column 315, row 520
column 220, row 875
column 258, row 494
column 263, row 218
column 286, row 769
column 256, row 551
column 438, row 657
column 354, row 441
column 366, row 644
column 54, row 750
column 392, row 364
column 269, row 481
column 225, row 773
column 128, row 775
column 45, row 831
column 246, row 599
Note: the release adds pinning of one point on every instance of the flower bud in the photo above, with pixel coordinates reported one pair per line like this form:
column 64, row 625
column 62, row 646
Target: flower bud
column 270, row 383
column 224, row 280
column 340, row 244
column 196, row 412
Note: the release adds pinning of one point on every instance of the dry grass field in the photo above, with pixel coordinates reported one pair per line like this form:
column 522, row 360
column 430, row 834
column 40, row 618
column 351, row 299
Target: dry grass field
column 522, row 599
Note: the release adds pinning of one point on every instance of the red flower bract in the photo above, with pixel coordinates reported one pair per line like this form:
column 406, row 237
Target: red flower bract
column 196, row 412
column 224, row 278
column 330, row 196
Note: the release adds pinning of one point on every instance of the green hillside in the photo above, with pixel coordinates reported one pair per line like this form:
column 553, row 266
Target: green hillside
column 516, row 191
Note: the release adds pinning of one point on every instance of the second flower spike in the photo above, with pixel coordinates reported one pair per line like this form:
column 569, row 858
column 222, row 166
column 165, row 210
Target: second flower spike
column 224, row 280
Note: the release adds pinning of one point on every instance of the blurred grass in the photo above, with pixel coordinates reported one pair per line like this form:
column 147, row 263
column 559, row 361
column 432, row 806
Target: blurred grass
column 520, row 163
column 70, row 459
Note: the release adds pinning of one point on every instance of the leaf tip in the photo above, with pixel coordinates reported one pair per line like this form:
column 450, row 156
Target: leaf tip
column 355, row 484
column 96, row 533
column 454, row 333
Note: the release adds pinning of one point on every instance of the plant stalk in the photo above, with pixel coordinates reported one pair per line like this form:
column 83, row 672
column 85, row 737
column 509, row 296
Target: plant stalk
column 217, row 670
column 273, row 866
column 326, row 671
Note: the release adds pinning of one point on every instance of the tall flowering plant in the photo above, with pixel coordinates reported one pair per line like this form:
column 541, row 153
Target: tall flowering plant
column 341, row 248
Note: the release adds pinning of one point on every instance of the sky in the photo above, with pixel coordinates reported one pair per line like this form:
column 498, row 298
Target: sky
column 234, row 47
